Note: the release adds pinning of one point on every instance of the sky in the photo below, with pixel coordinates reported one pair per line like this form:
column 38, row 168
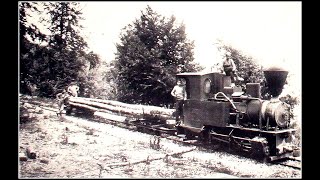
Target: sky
column 269, row 31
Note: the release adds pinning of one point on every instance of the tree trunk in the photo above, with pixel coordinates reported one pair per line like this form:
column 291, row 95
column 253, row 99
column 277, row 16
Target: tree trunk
column 122, row 108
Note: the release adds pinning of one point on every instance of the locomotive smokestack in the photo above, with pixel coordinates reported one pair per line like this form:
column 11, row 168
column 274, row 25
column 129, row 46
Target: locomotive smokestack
column 276, row 78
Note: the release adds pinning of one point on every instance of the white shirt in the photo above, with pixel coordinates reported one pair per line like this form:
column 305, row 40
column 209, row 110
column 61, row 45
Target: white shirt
column 73, row 89
column 179, row 92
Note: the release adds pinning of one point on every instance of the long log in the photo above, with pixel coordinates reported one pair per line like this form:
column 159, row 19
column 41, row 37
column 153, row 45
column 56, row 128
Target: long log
column 89, row 107
column 115, row 103
column 102, row 108
column 77, row 102
column 102, row 115
column 132, row 106
column 148, row 160
column 146, row 108
column 95, row 106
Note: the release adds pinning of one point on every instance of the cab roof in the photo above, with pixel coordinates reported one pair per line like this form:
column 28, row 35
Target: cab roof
column 195, row 73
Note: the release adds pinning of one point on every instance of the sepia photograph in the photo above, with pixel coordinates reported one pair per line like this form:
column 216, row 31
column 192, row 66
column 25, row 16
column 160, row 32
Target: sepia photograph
column 159, row 89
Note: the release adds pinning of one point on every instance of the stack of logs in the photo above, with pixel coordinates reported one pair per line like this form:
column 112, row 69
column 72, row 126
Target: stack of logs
column 122, row 109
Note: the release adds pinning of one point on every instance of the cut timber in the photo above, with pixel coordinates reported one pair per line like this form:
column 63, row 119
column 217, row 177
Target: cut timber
column 122, row 108
column 148, row 160
column 100, row 110
column 110, row 116
column 116, row 103
column 105, row 106
column 85, row 106
column 131, row 106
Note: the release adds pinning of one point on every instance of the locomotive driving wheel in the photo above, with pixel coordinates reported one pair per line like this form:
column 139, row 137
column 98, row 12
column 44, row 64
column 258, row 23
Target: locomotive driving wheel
column 189, row 134
column 204, row 136
column 260, row 149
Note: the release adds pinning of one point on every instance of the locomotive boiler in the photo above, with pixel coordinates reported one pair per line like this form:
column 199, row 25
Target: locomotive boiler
column 217, row 112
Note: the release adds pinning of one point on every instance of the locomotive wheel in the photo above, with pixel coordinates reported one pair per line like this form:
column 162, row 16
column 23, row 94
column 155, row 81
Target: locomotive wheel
column 189, row 135
column 212, row 141
column 179, row 130
column 260, row 149
column 204, row 136
column 140, row 129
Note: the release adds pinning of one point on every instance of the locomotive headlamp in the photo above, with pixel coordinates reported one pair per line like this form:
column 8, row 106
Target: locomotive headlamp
column 207, row 86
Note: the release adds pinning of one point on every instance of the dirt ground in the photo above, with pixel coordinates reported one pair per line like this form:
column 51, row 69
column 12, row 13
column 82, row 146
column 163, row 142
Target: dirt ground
column 74, row 147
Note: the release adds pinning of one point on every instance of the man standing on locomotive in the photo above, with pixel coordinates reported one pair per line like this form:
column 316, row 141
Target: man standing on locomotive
column 180, row 94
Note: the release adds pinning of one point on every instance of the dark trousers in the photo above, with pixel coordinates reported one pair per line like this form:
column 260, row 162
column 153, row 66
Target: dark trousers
column 231, row 73
column 179, row 109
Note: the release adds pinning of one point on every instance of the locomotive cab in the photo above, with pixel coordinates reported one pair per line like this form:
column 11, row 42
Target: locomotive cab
column 207, row 99
column 203, row 86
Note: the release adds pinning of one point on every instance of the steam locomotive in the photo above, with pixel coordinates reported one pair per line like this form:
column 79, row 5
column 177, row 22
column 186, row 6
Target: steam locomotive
column 218, row 112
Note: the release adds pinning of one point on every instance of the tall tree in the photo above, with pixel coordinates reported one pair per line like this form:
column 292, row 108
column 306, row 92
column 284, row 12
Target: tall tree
column 28, row 32
column 152, row 51
column 64, row 59
column 68, row 57
column 65, row 26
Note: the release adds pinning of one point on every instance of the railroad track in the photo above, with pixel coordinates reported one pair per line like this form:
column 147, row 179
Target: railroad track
column 290, row 162
column 144, row 128
column 165, row 133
